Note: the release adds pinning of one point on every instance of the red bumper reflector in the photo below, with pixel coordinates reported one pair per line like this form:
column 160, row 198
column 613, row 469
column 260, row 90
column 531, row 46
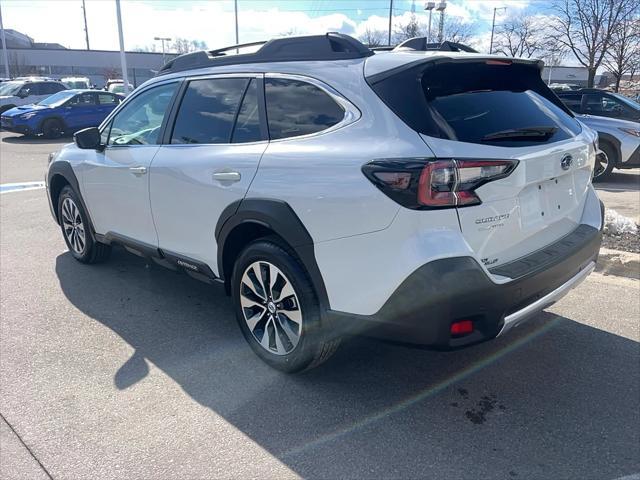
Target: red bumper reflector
column 463, row 327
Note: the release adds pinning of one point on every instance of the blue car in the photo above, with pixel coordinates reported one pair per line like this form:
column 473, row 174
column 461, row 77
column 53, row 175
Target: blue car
column 64, row 112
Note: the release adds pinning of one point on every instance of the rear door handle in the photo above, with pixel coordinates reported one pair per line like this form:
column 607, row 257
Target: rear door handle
column 227, row 176
column 137, row 171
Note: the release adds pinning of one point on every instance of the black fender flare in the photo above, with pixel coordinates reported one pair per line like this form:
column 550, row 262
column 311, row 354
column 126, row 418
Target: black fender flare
column 614, row 142
column 64, row 169
column 279, row 217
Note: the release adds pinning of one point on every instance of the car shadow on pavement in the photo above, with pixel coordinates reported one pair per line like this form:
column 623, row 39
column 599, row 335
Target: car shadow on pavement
column 555, row 399
column 32, row 140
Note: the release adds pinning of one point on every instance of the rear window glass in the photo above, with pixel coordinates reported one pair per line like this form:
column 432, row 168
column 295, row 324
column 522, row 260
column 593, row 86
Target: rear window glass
column 208, row 110
column 297, row 108
column 501, row 105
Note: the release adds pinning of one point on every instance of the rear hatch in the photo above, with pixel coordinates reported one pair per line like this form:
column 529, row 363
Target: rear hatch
column 517, row 162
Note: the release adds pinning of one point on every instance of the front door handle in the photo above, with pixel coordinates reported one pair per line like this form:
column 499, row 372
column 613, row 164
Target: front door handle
column 227, row 176
column 137, row 171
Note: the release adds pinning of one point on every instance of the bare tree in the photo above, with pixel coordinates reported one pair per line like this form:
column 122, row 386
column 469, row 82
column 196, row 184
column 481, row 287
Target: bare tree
column 458, row 31
column 585, row 27
column 373, row 38
column 410, row 29
column 622, row 55
column 518, row 37
column 182, row 45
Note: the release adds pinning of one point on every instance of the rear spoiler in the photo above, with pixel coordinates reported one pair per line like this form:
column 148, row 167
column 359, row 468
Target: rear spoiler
column 440, row 59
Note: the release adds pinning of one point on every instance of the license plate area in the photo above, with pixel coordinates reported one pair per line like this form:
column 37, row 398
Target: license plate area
column 543, row 202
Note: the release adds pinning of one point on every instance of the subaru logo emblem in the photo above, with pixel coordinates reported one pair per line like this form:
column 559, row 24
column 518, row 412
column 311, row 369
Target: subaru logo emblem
column 566, row 162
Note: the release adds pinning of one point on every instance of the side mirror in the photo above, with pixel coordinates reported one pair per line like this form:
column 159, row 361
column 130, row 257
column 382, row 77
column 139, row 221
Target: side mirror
column 88, row 139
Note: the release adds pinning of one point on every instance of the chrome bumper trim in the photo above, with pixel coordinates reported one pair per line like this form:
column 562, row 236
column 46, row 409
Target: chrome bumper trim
column 549, row 299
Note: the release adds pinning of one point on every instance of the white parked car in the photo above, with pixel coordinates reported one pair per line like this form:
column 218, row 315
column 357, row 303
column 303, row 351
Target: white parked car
column 436, row 197
column 80, row 83
column 16, row 93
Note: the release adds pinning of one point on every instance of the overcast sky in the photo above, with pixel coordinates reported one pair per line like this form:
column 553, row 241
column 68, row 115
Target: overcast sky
column 213, row 21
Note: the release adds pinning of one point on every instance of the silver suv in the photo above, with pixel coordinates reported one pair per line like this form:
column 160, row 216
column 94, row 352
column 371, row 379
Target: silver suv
column 438, row 196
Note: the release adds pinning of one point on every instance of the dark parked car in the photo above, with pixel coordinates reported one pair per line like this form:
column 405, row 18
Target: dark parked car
column 63, row 112
column 591, row 101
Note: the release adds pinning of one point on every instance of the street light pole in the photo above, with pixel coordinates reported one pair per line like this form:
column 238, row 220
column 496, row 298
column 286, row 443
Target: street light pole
column 429, row 6
column 390, row 16
column 5, row 58
column 493, row 26
column 162, row 39
column 86, row 29
column 123, row 58
column 441, row 6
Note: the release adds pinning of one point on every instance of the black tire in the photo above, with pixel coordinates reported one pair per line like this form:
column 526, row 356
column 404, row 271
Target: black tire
column 314, row 345
column 52, row 128
column 83, row 246
column 612, row 158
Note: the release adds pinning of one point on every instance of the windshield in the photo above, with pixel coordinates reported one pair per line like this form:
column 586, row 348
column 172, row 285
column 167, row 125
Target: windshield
column 10, row 88
column 627, row 101
column 57, row 99
column 116, row 88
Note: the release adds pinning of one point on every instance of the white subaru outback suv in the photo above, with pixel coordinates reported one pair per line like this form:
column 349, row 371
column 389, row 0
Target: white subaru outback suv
column 434, row 197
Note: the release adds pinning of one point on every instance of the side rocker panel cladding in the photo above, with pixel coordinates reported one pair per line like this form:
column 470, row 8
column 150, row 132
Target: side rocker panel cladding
column 279, row 217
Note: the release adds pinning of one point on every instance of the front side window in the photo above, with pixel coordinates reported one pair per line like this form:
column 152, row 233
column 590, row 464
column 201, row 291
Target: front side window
column 139, row 122
column 49, row 88
column 208, row 110
column 30, row 89
column 83, row 100
column 297, row 108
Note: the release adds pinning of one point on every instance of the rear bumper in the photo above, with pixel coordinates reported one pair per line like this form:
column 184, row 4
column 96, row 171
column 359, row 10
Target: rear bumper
column 443, row 291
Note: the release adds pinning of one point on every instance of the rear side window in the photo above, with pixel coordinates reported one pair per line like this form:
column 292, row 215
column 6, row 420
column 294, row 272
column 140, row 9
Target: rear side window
column 297, row 108
column 504, row 105
column 107, row 99
column 208, row 110
column 572, row 100
column 48, row 88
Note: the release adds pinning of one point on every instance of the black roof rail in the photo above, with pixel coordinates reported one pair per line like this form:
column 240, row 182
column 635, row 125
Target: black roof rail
column 331, row 46
column 420, row 44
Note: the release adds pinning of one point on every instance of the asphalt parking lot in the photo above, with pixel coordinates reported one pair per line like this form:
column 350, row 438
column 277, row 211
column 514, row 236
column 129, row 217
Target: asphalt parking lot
column 126, row 370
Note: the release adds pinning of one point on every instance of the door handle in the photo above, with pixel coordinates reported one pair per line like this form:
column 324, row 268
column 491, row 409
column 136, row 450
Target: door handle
column 227, row 176
column 137, row 171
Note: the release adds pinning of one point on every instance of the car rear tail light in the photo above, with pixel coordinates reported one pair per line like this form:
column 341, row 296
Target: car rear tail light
column 435, row 183
column 461, row 328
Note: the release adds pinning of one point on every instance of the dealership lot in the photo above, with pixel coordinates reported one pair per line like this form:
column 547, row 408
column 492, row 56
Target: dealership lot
column 126, row 370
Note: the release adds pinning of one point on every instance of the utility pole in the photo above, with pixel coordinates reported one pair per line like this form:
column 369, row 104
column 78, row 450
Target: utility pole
column 5, row 58
column 123, row 58
column 390, row 17
column 235, row 4
column 429, row 6
column 162, row 39
column 86, row 30
column 493, row 26
column 440, row 8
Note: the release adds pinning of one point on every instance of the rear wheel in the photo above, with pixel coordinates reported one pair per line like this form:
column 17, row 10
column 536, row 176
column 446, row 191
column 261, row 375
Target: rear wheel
column 605, row 163
column 76, row 232
column 277, row 309
column 52, row 128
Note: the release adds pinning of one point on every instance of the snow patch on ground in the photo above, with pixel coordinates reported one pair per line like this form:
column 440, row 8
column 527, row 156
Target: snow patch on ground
column 616, row 224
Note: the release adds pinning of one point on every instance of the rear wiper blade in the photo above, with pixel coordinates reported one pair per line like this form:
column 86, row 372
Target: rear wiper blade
column 524, row 133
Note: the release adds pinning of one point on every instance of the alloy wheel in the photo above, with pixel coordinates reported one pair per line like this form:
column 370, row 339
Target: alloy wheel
column 73, row 226
column 602, row 163
column 271, row 308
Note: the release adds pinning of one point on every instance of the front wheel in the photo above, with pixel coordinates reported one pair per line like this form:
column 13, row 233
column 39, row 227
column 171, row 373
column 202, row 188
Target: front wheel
column 605, row 163
column 76, row 231
column 277, row 309
column 52, row 128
